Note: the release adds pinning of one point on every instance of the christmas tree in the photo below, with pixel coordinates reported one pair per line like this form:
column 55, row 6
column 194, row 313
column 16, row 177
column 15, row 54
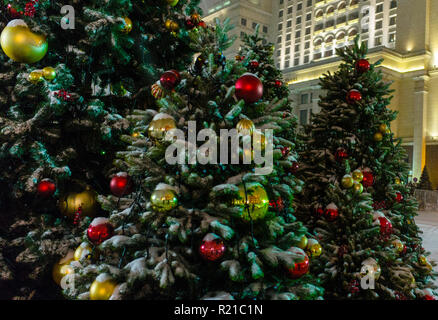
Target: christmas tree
column 424, row 183
column 355, row 197
column 65, row 94
column 180, row 228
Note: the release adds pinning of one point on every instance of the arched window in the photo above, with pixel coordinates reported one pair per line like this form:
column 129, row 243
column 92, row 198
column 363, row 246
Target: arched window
column 340, row 36
column 329, row 39
column 317, row 42
column 319, row 14
column 341, row 6
column 352, row 33
column 353, row 2
column 330, row 10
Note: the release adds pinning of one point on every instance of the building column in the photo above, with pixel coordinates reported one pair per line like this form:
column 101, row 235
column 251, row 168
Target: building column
column 420, row 124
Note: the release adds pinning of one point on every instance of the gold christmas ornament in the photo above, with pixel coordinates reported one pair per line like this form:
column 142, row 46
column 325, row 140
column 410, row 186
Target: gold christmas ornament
column 347, row 181
column 259, row 140
column 102, row 288
column 127, row 26
column 422, row 260
column 388, row 131
column 397, row 180
column 171, row 25
column 21, row 44
column 371, row 268
column 303, row 243
column 357, row 175
column 256, row 201
column 245, row 127
column 314, row 249
column 164, row 198
column 83, row 251
column 382, row 128
column 357, row 187
column 62, row 268
column 35, row 76
column 69, row 204
column 398, row 245
column 429, row 266
column 378, row 137
column 159, row 126
column 49, row 73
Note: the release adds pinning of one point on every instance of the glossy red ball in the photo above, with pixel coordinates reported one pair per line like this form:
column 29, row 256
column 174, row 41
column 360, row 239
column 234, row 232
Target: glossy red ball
column 212, row 247
column 202, row 24
column 254, row 64
column 385, row 226
column 362, row 66
column 300, row 268
column 429, row 297
column 331, row 214
column 354, row 96
column 121, row 184
column 100, row 232
column 368, row 179
column 249, row 88
column 169, row 80
column 278, row 83
column 46, row 188
column 319, row 212
column 294, row 167
column 398, row 197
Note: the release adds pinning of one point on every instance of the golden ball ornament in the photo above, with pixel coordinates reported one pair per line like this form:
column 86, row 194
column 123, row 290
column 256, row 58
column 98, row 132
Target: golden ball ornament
column 357, row 175
column 127, row 26
column 382, row 128
column 398, row 245
column 378, row 137
column 83, row 251
column 49, row 73
column 35, row 76
column 397, row 180
column 174, row 26
column 70, row 203
column 254, row 202
column 357, row 187
column 388, row 131
column 313, row 248
column 245, row 127
column 422, row 260
column 102, row 288
column 429, row 266
column 21, row 44
column 303, row 243
column 371, row 268
column 259, row 140
column 160, row 125
column 347, row 181
column 163, row 200
column 167, row 24
column 62, row 267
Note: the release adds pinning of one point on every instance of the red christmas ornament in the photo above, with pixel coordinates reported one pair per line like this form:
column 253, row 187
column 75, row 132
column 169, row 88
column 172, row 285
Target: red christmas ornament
column 121, row 184
column 429, row 297
column 341, row 154
column 331, row 212
column 169, row 80
column 398, row 196
column 254, row 64
column 362, row 66
column 12, row 11
column 319, row 212
column 368, row 179
column 354, row 96
column 278, row 83
column 294, row 167
column 285, row 151
column 202, row 24
column 249, row 88
column 46, row 188
column 99, row 230
column 385, row 226
column 212, row 247
column 300, row 268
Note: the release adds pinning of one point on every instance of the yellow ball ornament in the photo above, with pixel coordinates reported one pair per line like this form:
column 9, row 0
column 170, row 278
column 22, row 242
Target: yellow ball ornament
column 83, row 251
column 303, row 243
column 378, row 137
column 164, row 199
column 35, row 76
column 422, row 260
column 127, row 27
column 21, row 44
column 254, row 202
column 160, row 125
column 102, row 288
column 398, row 245
column 357, row 187
column 69, row 204
column 357, row 175
column 314, row 249
column 347, row 181
column 245, row 127
column 49, row 73
column 62, row 268
column 397, row 180
column 383, row 127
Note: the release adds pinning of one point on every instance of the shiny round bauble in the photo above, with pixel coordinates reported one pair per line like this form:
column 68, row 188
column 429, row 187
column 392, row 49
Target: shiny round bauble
column 370, row 268
column 46, row 188
column 99, row 230
column 21, row 44
column 164, row 200
column 83, row 251
column 388, row 131
column 368, row 179
column 313, row 248
column 249, row 88
column 62, row 268
column 254, row 202
column 347, row 181
column 357, row 175
column 49, row 73
column 157, row 91
column 385, row 226
column 212, row 247
column 102, row 289
column 362, row 65
column 259, row 140
column 254, row 64
column 429, row 266
column 303, row 243
column 172, row 3
column 398, row 245
column 278, row 83
column 319, row 212
column 382, row 128
column 397, row 180
column 301, row 267
column 70, row 203
column 160, row 125
column 202, row 24
column 126, row 27
column 35, row 76
column 378, row 137
column 357, row 187
column 331, row 212
column 398, row 196
column 121, row 184
column 422, row 260
column 354, row 96
column 245, row 127
column 169, row 79
column 294, row 167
